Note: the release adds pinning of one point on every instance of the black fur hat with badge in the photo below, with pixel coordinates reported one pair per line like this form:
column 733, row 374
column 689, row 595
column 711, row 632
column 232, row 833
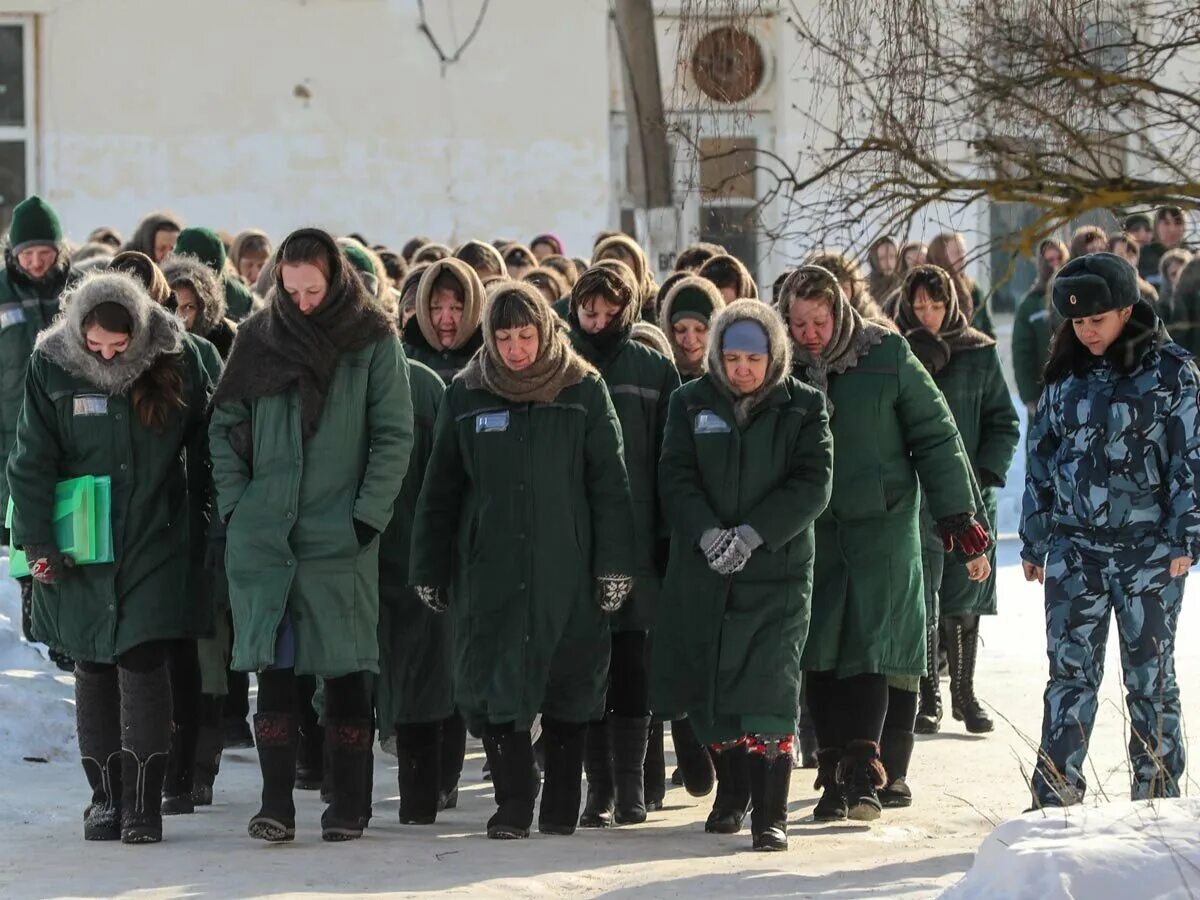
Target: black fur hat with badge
column 1094, row 284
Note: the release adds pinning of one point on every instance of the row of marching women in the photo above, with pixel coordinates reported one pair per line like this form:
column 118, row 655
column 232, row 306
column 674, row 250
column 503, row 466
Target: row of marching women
column 544, row 500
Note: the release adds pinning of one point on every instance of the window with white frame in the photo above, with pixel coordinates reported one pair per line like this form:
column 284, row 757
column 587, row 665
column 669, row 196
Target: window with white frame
column 16, row 114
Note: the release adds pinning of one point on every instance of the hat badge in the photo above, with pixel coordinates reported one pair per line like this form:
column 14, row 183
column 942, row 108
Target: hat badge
column 1074, row 299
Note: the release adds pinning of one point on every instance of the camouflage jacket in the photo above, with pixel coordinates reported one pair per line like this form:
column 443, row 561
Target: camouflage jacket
column 1115, row 454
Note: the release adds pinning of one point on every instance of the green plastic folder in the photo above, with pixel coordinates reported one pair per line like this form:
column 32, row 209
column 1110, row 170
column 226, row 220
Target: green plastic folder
column 82, row 523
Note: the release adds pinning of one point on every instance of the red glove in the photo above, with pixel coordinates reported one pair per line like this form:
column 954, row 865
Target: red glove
column 972, row 538
column 47, row 564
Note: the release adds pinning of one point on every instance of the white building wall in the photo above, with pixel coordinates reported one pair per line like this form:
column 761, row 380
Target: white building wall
column 190, row 106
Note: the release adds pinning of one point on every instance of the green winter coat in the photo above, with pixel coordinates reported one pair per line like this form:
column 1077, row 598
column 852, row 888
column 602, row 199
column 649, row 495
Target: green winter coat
column 291, row 542
column 973, row 384
column 239, row 300
column 890, row 425
column 415, row 650
column 522, row 505
column 727, row 648
column 1032, row 330
column 71, row 425
column 640, row 383
column 982, row 319
column 22, row 315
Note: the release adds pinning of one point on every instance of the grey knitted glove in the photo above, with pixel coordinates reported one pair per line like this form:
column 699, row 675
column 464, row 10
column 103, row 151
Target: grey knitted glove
column 745, row 541
column 611, row 591
column 714, row 542
column 432, row 597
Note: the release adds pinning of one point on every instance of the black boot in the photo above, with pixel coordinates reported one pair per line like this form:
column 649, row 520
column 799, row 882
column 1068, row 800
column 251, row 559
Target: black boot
column 862, row 775
column 961, row 646
column 145, row 744
column 895, row 752
column 98, row 725
column 601, row 785
column 209, row 744
column 733, row 791
column 349, row 743
column 631, row 768
column 181, row 767
column 831, row 807
column 511, row 756
column 417, row 752
column 654, row 770
column 276, row 735
column 695, row 762
column 453, row 751
column 368, row 792
column 310, row 755
column 563, row 742
column 770, row 780
column 929, row 709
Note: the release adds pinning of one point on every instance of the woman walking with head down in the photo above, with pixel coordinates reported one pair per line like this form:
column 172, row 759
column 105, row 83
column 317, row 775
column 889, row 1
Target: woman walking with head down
column 311, row 433
column 115, row 391
column 524, row 533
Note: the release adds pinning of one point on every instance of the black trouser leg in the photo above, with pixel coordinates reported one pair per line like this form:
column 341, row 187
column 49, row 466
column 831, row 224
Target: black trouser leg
column 821, row 691
column 184, row 666
column 896, row 746
column 453, row 751
column 310, row 753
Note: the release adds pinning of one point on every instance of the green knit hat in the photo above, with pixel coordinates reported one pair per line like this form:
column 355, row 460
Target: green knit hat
column 34, row 223
column 692, row 303
column 204, row 244
column 362, row 263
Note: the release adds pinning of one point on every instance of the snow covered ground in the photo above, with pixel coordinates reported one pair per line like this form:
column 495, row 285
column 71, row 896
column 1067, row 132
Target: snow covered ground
column 964, row 787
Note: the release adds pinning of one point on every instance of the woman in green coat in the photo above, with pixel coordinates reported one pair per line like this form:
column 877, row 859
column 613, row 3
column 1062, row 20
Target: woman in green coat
column 524, row 531
column 684, row 315
column 624, row 758
column 1033, row 324
column 413, row 699
column 973, row 384
column 745, row 471
column 444, row 333
column 114, row 390
column 311, row 432
column 890, row 426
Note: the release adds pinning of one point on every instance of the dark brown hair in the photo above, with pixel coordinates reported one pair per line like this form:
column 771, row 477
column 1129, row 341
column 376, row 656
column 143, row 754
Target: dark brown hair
column 411, row 246
column 158, row 392
column 447, row 281
column 563, row 267
column 303, row 249
column 481, row 257
column 1085, row 235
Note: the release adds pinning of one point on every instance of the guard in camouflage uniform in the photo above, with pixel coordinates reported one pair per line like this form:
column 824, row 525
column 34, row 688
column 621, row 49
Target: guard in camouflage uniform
column 1111, row 520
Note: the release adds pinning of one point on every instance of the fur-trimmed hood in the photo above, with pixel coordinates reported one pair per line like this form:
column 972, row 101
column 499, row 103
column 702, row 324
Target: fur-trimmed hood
column 665, row 308
column 473, row 300
column 652, row 336
column 189, row 272
column 746, row 288
column 155, row 332
column 779, row 347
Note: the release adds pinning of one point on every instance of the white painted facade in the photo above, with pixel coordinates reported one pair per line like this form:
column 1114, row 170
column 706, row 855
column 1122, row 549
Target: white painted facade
column 338, row 113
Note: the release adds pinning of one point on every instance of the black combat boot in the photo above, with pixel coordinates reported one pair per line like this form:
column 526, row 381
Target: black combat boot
column 929, row 708
column 961, row 646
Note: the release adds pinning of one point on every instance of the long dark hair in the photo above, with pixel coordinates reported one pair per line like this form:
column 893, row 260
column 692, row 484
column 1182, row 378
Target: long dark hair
column 158, row 392
column 1064, row 355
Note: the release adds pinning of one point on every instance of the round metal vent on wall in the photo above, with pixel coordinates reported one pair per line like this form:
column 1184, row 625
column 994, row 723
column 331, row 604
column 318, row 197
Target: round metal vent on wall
column 728, row 64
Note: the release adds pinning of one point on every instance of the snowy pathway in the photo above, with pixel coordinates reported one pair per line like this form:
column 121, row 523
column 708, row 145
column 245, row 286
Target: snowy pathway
column 963, row 786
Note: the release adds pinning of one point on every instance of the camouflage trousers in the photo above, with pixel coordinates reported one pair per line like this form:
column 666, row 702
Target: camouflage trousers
column 1086, row 581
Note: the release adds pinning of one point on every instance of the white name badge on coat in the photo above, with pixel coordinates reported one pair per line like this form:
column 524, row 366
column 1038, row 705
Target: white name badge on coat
column 13, row 315
column 491, row 421
column 708, row 422
column 91, row 405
